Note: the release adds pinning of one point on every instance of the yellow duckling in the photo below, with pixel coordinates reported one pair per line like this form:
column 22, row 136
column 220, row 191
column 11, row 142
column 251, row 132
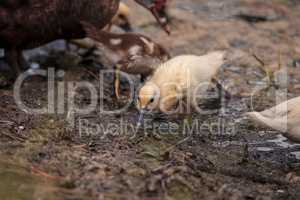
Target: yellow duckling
column 181, row 78
column 284, row 117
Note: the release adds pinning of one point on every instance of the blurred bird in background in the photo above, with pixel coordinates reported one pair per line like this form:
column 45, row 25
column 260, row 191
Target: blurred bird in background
column 284, row 117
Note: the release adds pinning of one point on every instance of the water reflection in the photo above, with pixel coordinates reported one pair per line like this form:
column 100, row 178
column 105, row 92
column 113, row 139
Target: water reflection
column 282, row 143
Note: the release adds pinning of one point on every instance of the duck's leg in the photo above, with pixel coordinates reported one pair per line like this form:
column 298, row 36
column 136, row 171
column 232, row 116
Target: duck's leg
column 67, row 45
column 4, row 82
column 222, row 91
column 11, row 66
column 22, row 61
column 12, row 58
column 117, row 69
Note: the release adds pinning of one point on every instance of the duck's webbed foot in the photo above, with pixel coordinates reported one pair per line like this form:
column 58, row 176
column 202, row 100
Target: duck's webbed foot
column 23, row 64
column 222, row 91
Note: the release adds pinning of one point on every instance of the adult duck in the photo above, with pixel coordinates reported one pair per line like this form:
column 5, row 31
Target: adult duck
column 26, row 24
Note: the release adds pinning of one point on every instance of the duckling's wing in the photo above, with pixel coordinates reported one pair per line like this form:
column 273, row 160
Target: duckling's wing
column 202, row 70
column 212, row 62
column 205, row 67
column 188, row 71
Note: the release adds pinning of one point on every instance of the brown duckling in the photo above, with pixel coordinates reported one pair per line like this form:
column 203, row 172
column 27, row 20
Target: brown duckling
column 139, row 55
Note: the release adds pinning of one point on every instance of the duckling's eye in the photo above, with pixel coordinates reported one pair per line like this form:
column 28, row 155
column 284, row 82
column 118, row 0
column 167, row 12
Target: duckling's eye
column 152, row 100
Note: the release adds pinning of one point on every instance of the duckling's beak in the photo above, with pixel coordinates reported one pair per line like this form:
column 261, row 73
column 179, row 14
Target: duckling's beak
column 155, row 7
column 141, row 118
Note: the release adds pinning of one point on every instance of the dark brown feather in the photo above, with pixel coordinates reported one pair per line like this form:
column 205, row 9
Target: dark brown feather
column 36, row 22
column 128, row 40
column 139, row 54
column 26, row 24
column 13, row 4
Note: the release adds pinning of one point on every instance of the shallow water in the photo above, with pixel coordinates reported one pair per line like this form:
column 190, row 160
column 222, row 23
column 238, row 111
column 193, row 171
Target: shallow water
column 282, row 142
column 279, row 143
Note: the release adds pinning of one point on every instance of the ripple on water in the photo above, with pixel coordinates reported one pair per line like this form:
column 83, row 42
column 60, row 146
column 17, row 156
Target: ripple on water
column 279, row 142
column 264, row 149
column 282, row 142
column 296, row 154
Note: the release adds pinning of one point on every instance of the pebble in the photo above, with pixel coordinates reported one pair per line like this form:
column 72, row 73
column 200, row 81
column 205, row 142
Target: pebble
column 296, row 63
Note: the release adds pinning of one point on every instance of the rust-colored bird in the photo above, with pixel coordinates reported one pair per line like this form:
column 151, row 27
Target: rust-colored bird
column 26, row 24
column 138, row 54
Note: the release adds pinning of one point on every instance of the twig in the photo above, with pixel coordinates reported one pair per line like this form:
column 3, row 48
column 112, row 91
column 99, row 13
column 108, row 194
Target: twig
column 161, row 168
column 279, row 60
column 44, row 174
column 6, row 122
column 261, row 62
column 264, row 68
column 177, row 144
column 92, row 74
column 13, row 137
column 82, row 147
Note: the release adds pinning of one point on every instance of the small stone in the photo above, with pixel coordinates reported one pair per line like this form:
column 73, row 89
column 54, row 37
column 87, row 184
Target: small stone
column 296, row 63
column 60, row 73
